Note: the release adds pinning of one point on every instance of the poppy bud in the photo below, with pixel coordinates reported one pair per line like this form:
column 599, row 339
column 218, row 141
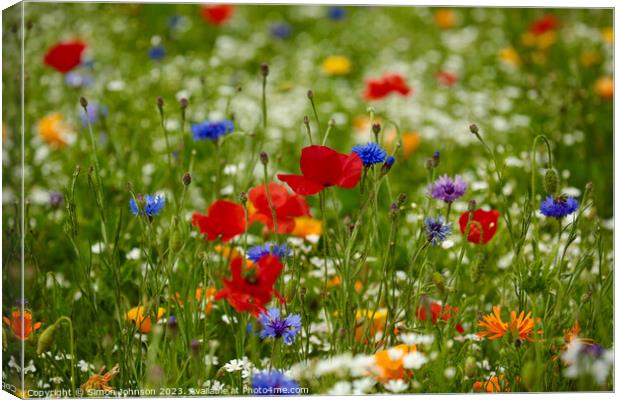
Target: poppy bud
column 46, row 339
column 243, row 197
column 402, row 197
column 376, row 128
column 473, row 128
column 551, row 181
column 83, row 101
column 183, row 103
column 471, row 205
column 331, row 122
column 435, row 159
column 439, row 281
column 160, row 103
column 306, row 120
column 470, row 367
column 264, row 69
column 310, row 94
column 302, row 293
column 264, row 158
column 187, row 179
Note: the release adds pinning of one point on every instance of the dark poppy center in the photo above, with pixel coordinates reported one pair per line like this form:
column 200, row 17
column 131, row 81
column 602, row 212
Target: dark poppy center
column 327, row 184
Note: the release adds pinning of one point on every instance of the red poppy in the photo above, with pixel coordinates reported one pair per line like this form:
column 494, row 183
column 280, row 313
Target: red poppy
column 446, row 78
column 65, row 56
column 439, row 312
column 487, row 221
column 217, row 14
column 251, row 293
column 544, row 24
column 323, row 167
column 377, row 89
column 224, row 218
column 16, row 320
column 287, row 207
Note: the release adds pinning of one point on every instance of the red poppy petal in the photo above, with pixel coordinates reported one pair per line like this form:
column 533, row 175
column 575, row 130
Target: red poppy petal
column 65, row 56
column 321, row 164
column 351, row 171
column 301, row 185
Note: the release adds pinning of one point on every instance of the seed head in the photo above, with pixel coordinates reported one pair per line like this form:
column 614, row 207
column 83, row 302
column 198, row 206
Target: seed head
column 264, row 158
column 83, row 102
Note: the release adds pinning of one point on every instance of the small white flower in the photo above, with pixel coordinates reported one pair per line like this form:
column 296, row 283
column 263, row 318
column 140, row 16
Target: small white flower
column 363, row 385
column 449, row 372
column 396, row 386
column 340, row 388
column 56, row 380
column 414, row 360
column 211, row 360
column 234, row 365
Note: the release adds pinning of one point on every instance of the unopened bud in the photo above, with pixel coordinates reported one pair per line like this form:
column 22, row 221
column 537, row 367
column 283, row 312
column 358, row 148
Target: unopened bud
column 83, row 101
column 310, row 94
column 471, row 205
column 394, row 210
column 195, row 346
column 331, row 122
column 470, row 367
column 473, row 128
column 306, row 120
column 551, row 181
column 187, row 178
column 376, row 128
column 439, row 281
column 183, row 103
column 387, row 165
column 160, row 103
column 402, row 198
column 436, row 159
column 46, row 339
column 264, row 158
column 264, row 69
column 243, row 197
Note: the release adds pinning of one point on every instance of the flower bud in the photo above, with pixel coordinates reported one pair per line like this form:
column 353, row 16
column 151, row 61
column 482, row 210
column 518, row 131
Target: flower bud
column 183, row 103
column 187, row 179
column 243, row 197
column 83, row 102
column 331, row 123
column 436, row 159
column 402, row 197
column 473, row 128
column 550, row 182
column 306, row 120
column 46, row 339
column 470, row 367
column 195, row 346
column 264, row 69
column 394, row 210
column 160, row 103
column 439, row 281
column 387, row 165
column 264, row 158
column 376, row 128
column 471, row 205
column 310, row 94
column 173, row 325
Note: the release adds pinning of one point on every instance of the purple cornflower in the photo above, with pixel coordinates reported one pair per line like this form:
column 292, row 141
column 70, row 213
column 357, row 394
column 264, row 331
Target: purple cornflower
column 77, row 79
column 274, row 382
column 212, row 130
column 257, row 252
column 558, row 207
column 436, row 230
column 56, row 199
column 446, row 189
column 370, row 153
column 276, row 327
column 281, row 30
column 147, row 205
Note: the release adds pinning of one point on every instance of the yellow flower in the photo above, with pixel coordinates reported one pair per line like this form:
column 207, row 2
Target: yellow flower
column 227, row 251
column 604, row 87
column 138, row 317
column 336, row 65
column 589, row 58
column 306, row 226
column 510, row 56
column 608, row 34
column 445, row 18
column 377, row 321
column 53, row 129
column 545, row 40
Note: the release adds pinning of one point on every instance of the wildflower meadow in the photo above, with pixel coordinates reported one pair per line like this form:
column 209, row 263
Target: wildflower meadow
column 209, row 199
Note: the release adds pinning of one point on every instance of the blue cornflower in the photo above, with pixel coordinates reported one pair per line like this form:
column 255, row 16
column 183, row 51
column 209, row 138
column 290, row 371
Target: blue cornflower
column 147, row 205
column 257, row 252
column 281, row 30
column 175, row 21
column 370, row 153
column 437, row 230
column 157, row 53
column 390, row 161
column 558, row 207
column 76, row 79
column 276, row 327
column 212, row 130
column 95, row 111
column 274, row 382
column 336, row 13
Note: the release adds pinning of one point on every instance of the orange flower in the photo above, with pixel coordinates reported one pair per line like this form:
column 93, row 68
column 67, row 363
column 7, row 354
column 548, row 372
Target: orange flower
column 336, row 281
column 53, row 129
column 492, row 385
column 138, row 317
column 99, row 382
column 605, row 87
column 445, row 19
column 521, row 326
column 390, row 362
column 15, row 323
column 208, row 297
column 589, row 58
column 307, row 226
column 410, row 142
column 608, row 35
column 509, row 55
